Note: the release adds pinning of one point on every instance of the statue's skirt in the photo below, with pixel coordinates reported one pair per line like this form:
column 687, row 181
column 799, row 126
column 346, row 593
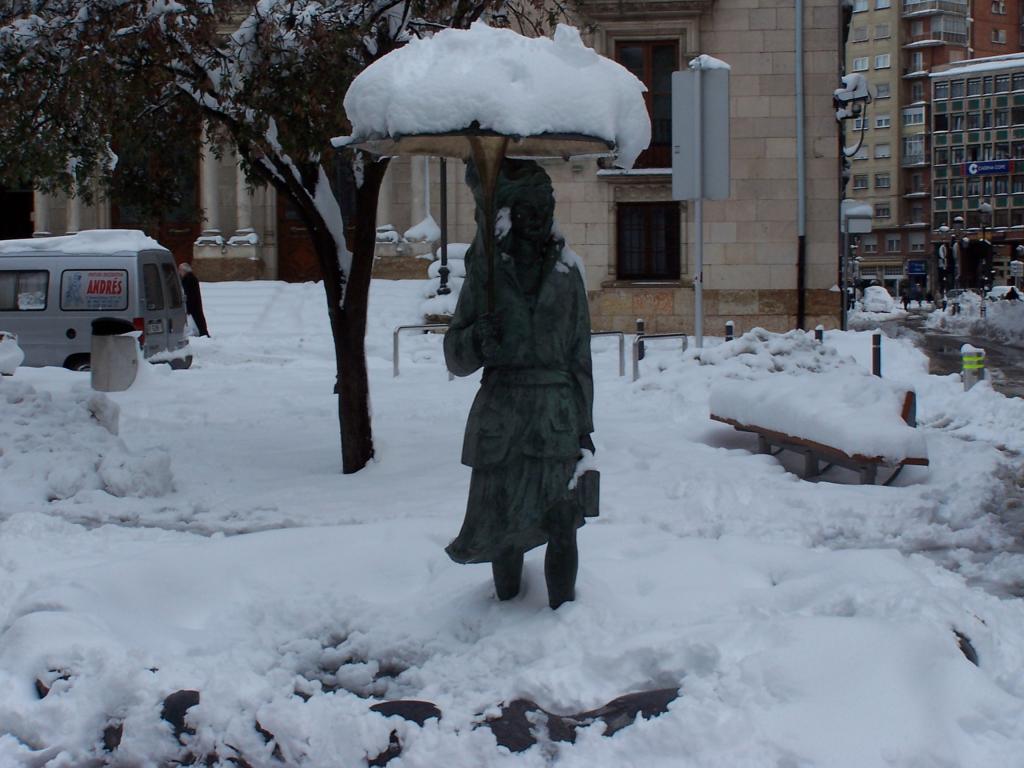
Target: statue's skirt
column 515, row 506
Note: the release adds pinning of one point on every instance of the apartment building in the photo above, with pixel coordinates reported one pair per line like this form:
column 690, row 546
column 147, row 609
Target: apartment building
column 978, row 175
column 895, row 44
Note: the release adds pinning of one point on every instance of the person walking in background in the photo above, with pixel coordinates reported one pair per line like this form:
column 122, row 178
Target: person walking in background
column 193, row 297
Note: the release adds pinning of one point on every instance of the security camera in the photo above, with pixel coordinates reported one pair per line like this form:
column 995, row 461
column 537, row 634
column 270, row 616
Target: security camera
column 849, row 100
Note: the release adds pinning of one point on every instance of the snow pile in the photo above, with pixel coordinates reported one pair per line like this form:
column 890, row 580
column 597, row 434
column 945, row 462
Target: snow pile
column 62, row 447
column 86, row 241
column 1003, row 320
column 759, row 351
column 877, row 299
column 505, row 82
column 11, row 355
column 427, row 231
column 858, row 414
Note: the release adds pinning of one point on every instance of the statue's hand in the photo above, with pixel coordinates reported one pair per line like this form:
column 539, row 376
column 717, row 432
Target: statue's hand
column 487, row 336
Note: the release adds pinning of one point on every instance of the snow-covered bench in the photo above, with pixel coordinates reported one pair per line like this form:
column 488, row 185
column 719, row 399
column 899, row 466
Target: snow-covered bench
column 860, row 422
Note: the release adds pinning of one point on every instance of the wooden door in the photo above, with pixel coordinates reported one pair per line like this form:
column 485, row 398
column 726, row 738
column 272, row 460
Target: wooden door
column 296, row 258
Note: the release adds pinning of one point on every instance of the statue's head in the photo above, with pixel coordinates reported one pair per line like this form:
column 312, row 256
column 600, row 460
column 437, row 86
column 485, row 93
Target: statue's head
column 525, row 189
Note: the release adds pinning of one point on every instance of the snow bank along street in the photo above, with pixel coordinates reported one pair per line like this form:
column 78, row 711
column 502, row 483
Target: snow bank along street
column 194, row 533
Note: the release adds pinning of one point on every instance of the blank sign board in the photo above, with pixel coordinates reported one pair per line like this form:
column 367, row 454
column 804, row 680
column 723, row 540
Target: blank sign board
column 707, row 123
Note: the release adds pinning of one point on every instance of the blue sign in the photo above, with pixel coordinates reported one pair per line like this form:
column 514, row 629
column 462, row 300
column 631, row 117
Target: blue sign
column 917, row 267
column 987, row 167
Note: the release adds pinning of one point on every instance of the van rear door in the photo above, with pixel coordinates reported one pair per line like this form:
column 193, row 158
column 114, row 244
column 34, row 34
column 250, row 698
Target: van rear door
column 154, row 307
column 177, row 318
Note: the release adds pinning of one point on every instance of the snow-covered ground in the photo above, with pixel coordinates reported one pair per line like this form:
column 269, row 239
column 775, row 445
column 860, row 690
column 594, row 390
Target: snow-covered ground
column 195, row 533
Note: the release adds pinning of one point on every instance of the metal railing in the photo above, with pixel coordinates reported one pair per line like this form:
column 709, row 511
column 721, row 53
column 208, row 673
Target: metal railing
column 435, row 327
column 432, row 327
column 640, row 340
column 622, row 347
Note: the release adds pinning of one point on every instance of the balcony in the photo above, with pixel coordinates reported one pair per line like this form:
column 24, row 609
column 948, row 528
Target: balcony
column 936, row 38
column 911, row 160
column 928, row 7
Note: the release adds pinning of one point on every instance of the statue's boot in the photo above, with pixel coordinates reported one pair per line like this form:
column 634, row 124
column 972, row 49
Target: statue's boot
column 561, row 561
column 508, row 573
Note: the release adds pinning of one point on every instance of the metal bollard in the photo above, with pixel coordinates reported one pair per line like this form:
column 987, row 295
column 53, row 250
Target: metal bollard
column 819, row 333
column 640, row 334
column 876, row 354
column 972, row 365
column 730, row 330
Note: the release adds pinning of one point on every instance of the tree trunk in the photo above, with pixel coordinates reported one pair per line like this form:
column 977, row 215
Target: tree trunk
column 348, row 323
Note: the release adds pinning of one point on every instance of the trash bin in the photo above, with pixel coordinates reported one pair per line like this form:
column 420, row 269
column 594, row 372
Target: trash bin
column 114, row 355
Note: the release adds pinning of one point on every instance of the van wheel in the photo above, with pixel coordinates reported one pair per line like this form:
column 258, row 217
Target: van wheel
column 181, row 363
column 78, row 363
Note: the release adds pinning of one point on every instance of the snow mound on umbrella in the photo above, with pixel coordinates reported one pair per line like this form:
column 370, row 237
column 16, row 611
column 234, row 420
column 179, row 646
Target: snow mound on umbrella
column 505, row 82
column 60, row 447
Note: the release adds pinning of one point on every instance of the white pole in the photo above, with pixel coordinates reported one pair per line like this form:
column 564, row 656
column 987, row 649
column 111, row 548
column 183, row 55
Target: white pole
column 698, row 213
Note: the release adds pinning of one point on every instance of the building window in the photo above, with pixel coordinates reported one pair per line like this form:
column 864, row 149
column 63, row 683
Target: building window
column 913, row 149
column 860, row 64
column 974, row 153
column 941, row 189
column 1002, row 184
column 913, row 116
column 862, row 153
column 882, row 61
column 917, row 91
column 973, row 121
column 916, row 28
column 1018, row 81
column 941, row 156
column 893, row 244
column 1002, row 83
column 869, row 243
column 653, row 63
column 882, row 4
column 1002, row 151
column 956, row 89
column 974, row 86
column 1018, row 150
column 882, row 91
column 973, row 187
column 956, row 155
column 941, row 90
column 860, row 6
column 882, row 211
column 859, row 34
column 987, row 84
column 917, row 242
column 648, row 241
column 1002, row 118
column 917, row 182
column 882, row 151
column 956, row 188
column 917, row 214
column 917, row 61
column 881, row 181
column 881, row 31
column 958, row 122
column 1018, row 185
column 860, row 181
column 941, row 122
column 999, row 36
column 999, row 7
column 882, row 121
column 859, row 123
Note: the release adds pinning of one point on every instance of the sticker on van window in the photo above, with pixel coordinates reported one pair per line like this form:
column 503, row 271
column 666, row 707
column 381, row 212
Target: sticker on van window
column 94, row 289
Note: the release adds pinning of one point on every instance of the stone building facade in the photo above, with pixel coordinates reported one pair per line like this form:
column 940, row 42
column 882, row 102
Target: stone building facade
column 635, row 240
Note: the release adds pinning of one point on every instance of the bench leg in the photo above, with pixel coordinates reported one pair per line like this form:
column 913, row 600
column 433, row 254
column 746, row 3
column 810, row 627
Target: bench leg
column 867, row 474
column 763, row 446
column 810, row 464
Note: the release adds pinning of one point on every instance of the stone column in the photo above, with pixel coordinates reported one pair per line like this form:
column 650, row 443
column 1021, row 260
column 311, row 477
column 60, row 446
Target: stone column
column 74, row 217
column 243, row 206
column 40, row 214
column 208, row 188
column 417, row 191
column 385, row 197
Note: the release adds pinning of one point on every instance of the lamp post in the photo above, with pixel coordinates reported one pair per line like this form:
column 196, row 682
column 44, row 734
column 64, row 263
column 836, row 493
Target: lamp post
column 957, row 245
column 942, row 255
column 985, row 213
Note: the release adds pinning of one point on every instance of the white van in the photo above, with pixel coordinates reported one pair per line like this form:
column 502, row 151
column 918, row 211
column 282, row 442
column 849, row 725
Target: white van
column 52, row 288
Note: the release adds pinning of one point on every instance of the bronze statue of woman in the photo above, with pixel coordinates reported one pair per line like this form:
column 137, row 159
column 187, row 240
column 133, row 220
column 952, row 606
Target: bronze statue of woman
column 533, row 414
